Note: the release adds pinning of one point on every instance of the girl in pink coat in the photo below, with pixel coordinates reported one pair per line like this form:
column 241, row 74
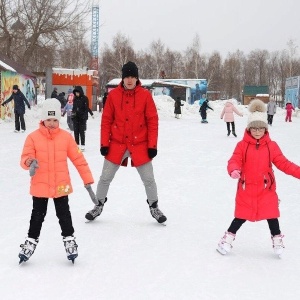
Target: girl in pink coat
column 251, row 164
column 45, row 154
column 227, row 113
column 289, row 109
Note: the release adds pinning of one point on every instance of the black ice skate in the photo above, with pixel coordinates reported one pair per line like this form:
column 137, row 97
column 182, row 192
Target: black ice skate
column 71, row 247
column 156, row 213
column 96, row 211
column 27, row 249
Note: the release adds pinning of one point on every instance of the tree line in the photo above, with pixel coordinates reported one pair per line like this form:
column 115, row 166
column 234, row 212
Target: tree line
column 44, row 33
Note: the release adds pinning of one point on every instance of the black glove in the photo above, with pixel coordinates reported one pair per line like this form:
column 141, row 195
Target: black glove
column 3, row 104
column 152, row 152
column 104, row 151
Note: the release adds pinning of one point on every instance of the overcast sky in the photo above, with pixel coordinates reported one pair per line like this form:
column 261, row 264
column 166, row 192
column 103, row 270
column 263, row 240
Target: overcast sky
column 222, row 25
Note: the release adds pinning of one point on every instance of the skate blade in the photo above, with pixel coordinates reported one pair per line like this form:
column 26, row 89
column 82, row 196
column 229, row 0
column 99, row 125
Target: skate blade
column 72, row 257
column 221, row 251
column 23, row 258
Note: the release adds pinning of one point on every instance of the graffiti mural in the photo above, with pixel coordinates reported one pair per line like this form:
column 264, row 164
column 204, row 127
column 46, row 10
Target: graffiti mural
column 26, row 85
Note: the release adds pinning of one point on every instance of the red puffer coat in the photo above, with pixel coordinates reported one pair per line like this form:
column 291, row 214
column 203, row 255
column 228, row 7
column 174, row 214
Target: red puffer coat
column 51, row 148
column 129, row 121
column 256, row 197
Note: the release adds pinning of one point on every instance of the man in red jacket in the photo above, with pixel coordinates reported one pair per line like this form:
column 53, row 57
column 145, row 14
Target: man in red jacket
column 129, row 128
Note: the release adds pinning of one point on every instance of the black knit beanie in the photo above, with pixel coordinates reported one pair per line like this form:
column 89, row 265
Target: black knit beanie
column 130, row 69
column 15, row 87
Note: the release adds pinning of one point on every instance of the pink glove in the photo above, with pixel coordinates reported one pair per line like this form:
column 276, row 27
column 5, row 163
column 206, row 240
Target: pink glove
column 235, row 174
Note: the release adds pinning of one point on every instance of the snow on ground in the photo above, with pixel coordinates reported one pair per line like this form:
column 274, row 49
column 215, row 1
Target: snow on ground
column 125, row 254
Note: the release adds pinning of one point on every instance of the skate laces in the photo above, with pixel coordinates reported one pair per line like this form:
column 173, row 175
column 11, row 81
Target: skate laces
column 28, row 247
column 156, row 212
column 278, row 241
column 96, row 210
column 228, row 238
column 70, row 245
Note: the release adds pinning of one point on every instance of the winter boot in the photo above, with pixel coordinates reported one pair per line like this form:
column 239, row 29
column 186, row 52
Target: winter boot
column 71, row 247
column 233, row 128
column 278, row 244
column 225, row 244
column 96, row 211
column 156, row 213
column 27, row 249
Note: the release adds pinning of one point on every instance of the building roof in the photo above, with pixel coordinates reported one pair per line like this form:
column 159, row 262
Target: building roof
column 253, row 90
column 8, row 64
column 149, row 83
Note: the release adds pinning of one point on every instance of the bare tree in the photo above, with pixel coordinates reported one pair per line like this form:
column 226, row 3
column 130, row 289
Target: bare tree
column 213, row 71
column 157, row 51
column 30, row 25
column 192, row 60
column 112, row 59
column 233, row 74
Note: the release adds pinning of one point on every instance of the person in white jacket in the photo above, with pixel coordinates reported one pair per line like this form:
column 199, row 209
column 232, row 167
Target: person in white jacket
column 271, row 111
column 227, row 113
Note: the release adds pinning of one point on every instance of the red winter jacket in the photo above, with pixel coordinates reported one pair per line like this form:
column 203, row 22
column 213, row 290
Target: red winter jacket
column 256, row 197
column 129, row 121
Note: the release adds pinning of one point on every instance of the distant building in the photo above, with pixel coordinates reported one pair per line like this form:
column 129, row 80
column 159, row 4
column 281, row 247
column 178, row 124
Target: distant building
column 292, row 90
column 255, row 91
column 65, row 80
column 158, row 87
column 189, row 90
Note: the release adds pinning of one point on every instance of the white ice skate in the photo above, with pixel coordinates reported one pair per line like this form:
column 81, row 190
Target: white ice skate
column 278, row 244
column 225, row 244
column 71, row 247
column 27, row 249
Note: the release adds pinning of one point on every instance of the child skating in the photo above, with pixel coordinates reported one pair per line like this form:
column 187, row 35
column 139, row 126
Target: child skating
column 204, row 106
column 45, row 154
column 251, row 164
column 289, row 109
column 227, row 113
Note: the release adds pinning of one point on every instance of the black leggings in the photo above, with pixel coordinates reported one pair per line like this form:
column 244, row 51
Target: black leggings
column 232, row 126
column 39, row 212
column 237, row 223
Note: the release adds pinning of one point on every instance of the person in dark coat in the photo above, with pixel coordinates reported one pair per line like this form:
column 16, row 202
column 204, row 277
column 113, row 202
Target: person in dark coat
column 61, row 98
column 54, row 93
column 79, row 115
column 19, row 109
column 203, row 108
column 177, row 107
column 104, row 99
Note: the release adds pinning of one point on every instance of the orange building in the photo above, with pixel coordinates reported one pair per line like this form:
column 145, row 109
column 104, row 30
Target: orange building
column 66, row 79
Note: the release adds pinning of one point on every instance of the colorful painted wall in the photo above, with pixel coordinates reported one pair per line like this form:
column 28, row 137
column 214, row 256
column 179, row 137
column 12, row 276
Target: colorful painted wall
column 26, row 85
column 292, row 90
column 198, row 87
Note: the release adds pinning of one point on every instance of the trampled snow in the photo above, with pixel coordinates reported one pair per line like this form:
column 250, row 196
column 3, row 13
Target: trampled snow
column 125, row 253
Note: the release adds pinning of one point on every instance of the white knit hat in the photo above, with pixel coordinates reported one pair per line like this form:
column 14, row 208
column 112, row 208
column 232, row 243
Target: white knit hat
column 51, row 109
column 258, row 117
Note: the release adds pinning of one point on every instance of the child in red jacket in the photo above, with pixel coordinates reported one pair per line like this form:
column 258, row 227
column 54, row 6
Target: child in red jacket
column 45, row 154
column 289, row 109
column 251, row 163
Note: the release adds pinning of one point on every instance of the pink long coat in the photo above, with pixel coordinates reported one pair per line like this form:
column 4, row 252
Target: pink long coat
column 228, row 111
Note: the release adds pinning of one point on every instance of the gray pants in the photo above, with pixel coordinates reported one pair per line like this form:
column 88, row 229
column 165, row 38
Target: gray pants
column 108, row 173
